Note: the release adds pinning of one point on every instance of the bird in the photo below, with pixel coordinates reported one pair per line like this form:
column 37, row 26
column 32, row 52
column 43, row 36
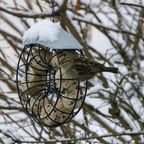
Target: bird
column 80, row 68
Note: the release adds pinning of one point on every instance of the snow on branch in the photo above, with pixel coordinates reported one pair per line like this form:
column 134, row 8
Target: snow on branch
column 85, row 138
column 29, row 14
column 104, row 27
column 132, row 4
column 15, row 38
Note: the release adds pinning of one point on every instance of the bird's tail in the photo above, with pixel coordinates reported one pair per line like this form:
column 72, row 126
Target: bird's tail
column 110, row 69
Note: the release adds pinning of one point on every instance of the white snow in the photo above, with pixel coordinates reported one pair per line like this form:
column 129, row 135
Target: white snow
column 44, row 30
column 50, row 34
column 101, row 43
column 11, row 131
column 94, row 89
column 8, row 141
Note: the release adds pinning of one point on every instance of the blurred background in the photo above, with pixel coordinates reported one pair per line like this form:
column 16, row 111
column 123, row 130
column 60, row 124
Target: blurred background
column 112, row 33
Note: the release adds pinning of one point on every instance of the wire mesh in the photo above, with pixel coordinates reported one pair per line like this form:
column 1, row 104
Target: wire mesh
column 46, row 93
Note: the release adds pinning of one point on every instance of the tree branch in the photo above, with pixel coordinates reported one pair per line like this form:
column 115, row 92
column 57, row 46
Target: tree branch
column 12, row 108
column 30, row 14
column 85, row 138
column 131, row 4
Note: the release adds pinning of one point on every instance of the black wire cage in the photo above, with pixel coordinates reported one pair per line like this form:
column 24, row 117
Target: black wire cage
column 46, row 93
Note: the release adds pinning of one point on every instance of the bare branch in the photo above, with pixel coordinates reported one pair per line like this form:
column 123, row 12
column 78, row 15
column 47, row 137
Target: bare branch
column 30, row 14
column 131, row 4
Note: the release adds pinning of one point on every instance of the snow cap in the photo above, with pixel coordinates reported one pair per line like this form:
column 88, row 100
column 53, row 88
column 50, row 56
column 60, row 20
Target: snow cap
column 50, row 34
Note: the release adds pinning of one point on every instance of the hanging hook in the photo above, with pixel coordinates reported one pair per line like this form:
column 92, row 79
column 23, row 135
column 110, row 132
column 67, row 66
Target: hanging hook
column 53, row 11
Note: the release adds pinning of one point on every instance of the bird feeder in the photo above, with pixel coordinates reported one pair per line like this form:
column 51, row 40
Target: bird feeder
column 46, row 93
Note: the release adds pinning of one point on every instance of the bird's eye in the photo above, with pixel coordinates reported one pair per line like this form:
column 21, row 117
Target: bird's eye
column 63, row 62
column 92, row 63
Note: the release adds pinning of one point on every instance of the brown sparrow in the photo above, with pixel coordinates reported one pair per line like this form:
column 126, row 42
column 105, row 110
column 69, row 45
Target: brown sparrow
column 82, row 68
column 61, row 54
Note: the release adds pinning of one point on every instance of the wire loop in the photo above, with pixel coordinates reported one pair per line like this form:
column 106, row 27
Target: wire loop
column 46, row 93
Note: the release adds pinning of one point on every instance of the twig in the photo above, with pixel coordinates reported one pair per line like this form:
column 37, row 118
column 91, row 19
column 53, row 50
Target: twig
column 84, row 138
column 131, row 4
column 27, row 14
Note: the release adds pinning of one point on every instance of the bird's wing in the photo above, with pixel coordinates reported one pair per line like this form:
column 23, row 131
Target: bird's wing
column 96, row 64
column 85, row 66
column 80, row 65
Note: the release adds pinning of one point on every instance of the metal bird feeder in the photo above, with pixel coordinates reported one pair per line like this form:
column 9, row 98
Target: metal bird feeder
column 46, row 93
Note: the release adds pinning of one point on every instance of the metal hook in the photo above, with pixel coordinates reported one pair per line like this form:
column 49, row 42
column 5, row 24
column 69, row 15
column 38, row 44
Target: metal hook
column 53, row 11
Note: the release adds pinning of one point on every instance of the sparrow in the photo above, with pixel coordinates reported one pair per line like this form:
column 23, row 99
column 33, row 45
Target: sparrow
column 82, row 68
column 59, row 54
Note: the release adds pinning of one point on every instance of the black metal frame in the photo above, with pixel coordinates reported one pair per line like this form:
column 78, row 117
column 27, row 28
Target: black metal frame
column 49, row 89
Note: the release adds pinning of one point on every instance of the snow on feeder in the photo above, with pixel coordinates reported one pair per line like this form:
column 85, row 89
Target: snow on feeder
column 47, row 94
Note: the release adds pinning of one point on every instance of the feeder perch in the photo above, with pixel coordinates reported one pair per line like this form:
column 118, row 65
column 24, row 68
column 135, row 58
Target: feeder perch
column 46, row 93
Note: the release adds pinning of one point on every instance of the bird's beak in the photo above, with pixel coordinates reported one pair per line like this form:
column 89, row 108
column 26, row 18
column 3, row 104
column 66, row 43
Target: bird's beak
column 59, row 66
